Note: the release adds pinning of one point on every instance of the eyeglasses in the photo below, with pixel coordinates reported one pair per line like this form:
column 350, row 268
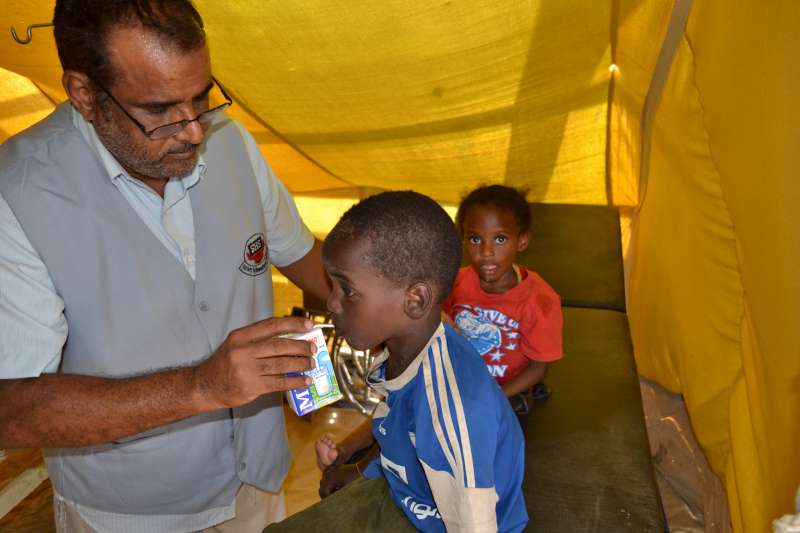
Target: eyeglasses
column 168, row 130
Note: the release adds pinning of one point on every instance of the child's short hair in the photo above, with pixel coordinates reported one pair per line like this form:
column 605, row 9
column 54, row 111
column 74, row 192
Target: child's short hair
column 411, row 239
column 497, row 196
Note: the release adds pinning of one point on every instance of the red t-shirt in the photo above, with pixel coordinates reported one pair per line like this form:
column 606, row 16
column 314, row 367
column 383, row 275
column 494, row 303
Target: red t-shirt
column 510, row 328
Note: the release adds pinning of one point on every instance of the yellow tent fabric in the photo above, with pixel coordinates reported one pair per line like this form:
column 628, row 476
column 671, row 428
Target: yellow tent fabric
column 21, row 105
column 713, row 293
column 440, row 96
column 455, row 107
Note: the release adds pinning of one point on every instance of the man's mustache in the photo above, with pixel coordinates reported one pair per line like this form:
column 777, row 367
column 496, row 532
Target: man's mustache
column 186, row 147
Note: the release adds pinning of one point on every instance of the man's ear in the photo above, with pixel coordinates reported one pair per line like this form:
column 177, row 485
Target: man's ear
column 419, row 300
column 81, row 92
column 524, row 239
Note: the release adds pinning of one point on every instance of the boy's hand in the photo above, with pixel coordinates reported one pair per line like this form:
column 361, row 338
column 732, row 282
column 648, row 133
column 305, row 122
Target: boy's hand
column 335, row 477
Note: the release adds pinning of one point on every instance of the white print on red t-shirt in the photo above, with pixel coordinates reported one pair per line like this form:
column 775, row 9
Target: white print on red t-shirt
column 491, row 332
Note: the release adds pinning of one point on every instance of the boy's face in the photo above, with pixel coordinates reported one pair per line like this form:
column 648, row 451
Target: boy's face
column 491, row 242
column 367, row 308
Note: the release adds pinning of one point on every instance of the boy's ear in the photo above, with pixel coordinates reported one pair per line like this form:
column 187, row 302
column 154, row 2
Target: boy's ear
column 524, row 239
column 419, row 300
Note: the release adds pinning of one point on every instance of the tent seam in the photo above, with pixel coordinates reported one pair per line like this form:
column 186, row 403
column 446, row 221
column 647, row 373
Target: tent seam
column 241, row 102
column 676, row 30
column 44, row 93
column 613, row 38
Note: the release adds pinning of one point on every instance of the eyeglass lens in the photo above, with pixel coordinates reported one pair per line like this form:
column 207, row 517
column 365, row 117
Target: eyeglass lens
column 205, row 118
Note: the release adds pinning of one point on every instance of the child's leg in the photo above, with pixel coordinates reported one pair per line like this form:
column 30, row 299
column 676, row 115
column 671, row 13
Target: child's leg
column 327, row 452
column 363, row 506
column 540, row 391
column 520, row 405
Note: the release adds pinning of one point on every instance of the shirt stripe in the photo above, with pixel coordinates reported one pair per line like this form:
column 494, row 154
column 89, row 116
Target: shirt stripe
column 463, row 430
column 435, row 421
column 460, row 459
column 452, row 436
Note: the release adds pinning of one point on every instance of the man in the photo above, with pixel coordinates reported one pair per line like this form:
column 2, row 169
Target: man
column 137, row 227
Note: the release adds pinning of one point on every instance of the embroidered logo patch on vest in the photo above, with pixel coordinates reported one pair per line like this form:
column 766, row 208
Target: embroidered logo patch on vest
column 255, row 255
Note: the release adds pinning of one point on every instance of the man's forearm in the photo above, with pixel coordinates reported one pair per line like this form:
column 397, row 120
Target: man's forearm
column 66, row 410
column 63, row 410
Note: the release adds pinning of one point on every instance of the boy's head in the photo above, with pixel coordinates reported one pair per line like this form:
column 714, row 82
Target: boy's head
column 392, row 259
column 500, row 197
column 494, row 222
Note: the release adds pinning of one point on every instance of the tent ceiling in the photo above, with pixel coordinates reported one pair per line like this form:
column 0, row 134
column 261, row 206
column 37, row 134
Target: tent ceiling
column 521, row 100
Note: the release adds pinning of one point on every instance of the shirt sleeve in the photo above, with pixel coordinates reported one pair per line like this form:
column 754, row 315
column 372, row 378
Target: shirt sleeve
column 542, row 327
column 288, row 238
column 33, row 328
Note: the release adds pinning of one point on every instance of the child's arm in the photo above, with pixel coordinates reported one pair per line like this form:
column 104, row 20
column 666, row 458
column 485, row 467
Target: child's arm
column 526, row 379
column 358, row 439
column 342, row 471
column 337, row 476
column 330, row 453
column 541, row 328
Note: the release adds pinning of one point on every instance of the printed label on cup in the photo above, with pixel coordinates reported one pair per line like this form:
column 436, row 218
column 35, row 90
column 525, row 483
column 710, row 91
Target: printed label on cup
column 324, row 389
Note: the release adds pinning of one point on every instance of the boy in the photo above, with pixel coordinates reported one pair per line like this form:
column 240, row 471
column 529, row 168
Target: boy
column 510, row 314
column 448, row 445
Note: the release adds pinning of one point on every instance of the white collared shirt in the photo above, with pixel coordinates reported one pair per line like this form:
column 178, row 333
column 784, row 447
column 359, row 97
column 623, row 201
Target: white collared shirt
column 33, row 327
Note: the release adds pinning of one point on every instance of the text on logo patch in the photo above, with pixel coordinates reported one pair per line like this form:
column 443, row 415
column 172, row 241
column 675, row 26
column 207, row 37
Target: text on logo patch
column 256, row 255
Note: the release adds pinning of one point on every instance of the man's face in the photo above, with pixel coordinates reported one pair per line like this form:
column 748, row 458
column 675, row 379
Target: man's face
column 367, row 308
column 157, row 84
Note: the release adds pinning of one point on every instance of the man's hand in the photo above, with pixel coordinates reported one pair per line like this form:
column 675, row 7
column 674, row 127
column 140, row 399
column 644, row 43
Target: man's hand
column 68, row 410
column 254, row 360
column 335, row 477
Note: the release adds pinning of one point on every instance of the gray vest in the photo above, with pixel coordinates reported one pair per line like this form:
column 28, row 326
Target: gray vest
column 132, row 308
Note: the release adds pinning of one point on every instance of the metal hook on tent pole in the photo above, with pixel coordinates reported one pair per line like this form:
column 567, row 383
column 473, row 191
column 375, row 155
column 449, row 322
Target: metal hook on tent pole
column 30, row 32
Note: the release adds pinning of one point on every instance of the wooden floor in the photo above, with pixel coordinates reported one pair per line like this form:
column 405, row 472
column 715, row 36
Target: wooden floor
column 34, row 513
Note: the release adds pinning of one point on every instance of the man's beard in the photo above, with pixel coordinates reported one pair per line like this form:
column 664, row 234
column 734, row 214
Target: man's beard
column 133, row 157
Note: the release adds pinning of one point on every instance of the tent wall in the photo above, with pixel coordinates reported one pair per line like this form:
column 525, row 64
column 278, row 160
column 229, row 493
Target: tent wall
column 22, row 104
column 713, row 293
column 439, row 96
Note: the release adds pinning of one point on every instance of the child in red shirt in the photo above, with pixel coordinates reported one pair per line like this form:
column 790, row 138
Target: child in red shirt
column 508, row 313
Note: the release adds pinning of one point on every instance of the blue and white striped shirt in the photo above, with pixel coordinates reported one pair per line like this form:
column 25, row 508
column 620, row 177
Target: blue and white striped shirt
column 452, row 450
